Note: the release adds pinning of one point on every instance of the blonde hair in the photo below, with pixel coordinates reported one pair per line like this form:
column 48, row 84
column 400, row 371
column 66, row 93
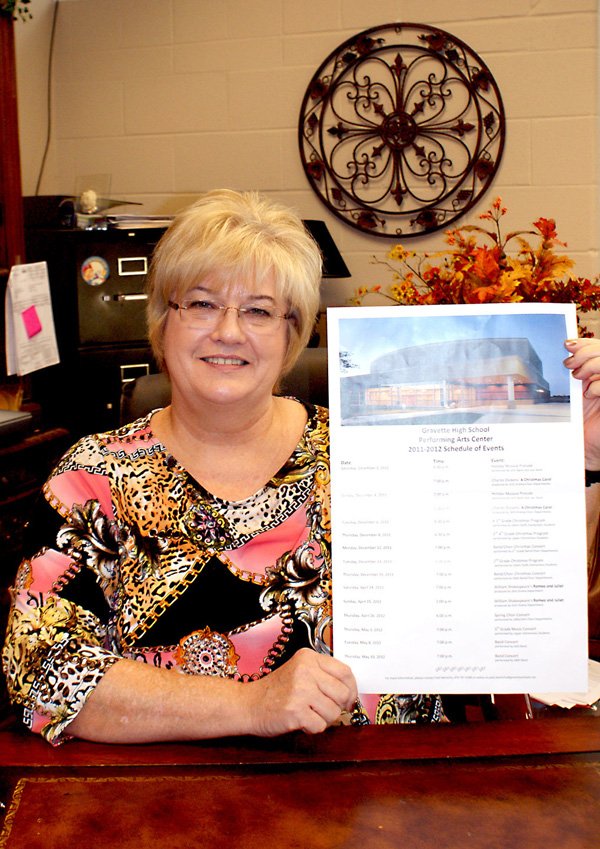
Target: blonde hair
column 228, row 235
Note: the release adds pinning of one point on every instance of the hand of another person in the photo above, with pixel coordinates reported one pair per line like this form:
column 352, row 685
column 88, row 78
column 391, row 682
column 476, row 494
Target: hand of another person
column 307, row 693
column 584, row 362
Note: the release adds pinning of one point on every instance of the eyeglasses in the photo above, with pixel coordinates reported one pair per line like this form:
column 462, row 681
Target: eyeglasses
column 207, row 314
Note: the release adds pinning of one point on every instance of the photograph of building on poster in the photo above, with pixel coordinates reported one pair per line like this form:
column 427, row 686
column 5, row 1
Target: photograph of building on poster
column 409, row 369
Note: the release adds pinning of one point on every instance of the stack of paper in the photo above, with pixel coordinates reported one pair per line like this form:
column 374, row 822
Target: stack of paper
column 124, row 222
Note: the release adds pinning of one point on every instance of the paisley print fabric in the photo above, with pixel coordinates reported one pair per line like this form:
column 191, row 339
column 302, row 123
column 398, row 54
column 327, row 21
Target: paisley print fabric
column 131, row 557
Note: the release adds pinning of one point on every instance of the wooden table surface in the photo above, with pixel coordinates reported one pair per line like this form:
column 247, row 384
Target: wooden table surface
column 529, row 783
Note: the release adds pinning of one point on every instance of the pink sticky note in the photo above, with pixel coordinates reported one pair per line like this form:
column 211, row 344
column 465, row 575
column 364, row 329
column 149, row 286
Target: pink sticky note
column 31, row 321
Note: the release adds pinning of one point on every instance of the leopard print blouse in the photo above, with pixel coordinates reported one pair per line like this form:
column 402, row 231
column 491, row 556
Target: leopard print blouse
column 131, row 557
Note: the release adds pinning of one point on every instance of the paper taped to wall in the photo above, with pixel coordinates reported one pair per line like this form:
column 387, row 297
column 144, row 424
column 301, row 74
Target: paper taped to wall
column 29, row 324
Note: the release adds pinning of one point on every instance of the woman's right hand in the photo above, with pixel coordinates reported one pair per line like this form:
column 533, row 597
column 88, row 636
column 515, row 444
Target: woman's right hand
column 307, row 693
column 137, row 703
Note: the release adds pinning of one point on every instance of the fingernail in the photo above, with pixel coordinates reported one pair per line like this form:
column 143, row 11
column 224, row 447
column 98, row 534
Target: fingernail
column 570, row 343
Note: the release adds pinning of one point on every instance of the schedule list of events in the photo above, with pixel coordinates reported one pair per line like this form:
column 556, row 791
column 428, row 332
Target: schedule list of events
column 458, row 533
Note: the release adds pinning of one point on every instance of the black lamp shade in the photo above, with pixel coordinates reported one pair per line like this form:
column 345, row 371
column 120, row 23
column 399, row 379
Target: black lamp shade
column 333, row 264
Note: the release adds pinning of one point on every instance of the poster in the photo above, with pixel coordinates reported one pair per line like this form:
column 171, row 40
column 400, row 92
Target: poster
column 458, row 499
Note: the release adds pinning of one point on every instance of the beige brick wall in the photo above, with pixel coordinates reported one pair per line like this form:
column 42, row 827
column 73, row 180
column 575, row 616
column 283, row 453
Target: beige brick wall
column 175, row 98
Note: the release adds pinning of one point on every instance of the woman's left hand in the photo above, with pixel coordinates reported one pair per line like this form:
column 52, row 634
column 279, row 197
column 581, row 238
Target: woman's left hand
column 584, row 362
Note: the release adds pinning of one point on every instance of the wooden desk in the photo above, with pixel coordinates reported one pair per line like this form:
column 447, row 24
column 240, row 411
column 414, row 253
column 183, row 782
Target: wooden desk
column 499, row 784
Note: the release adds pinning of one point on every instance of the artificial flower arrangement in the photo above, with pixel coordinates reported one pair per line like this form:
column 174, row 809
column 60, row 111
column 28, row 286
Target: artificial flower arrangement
column 473, row 273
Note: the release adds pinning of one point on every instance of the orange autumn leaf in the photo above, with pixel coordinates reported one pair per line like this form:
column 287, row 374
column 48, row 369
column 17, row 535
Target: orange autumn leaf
column 485, row 265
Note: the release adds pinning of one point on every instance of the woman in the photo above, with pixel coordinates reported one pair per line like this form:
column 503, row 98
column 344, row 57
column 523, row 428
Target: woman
column 196, row 540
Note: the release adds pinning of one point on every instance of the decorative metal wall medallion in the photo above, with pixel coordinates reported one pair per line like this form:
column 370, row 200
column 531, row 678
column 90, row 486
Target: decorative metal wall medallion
column 401, row 130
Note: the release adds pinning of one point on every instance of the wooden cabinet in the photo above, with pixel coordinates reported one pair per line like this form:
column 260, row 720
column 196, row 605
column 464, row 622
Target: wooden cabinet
column 24, row 466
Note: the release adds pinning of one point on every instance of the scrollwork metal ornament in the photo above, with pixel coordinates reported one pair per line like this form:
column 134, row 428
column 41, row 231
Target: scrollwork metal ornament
column 401, row 130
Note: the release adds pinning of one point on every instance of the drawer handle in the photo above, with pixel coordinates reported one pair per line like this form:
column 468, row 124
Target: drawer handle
column 122, row 296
